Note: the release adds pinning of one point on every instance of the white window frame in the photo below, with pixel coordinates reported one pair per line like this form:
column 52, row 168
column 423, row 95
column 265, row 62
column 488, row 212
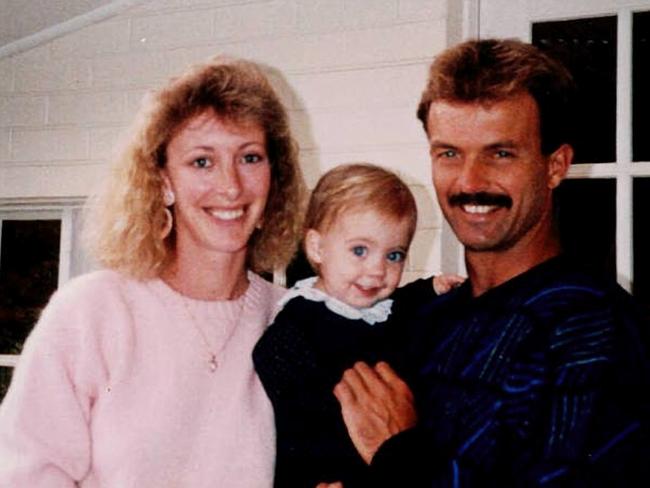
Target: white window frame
column 64, row 210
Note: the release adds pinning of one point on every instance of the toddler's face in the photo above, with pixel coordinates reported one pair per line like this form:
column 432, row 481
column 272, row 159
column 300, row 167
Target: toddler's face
column 361, row 256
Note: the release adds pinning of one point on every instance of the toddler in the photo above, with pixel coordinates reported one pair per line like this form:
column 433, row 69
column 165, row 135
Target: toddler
column 358, row 228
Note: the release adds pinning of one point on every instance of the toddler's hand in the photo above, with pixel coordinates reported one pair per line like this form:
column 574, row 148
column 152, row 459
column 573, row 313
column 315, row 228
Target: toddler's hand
column 445, row 282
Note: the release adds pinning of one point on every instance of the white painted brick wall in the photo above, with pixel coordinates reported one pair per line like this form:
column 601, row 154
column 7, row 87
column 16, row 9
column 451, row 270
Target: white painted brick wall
column 21, row 110
column 6, row 75
column 4, row 144
column 161, row 32
column 88, row 109
column 350, row 72
column 104, row 38
column 36, row 71
column 49, row 145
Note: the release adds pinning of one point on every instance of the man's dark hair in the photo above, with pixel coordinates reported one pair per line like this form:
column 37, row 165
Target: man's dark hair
column 491, row 70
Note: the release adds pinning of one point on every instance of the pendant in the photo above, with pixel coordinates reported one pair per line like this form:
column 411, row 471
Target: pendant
column 213, row 363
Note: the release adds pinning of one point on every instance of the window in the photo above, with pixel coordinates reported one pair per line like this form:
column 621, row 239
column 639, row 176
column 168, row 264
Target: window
column 641, row 206
column 603, row 204
column 586, row 215
column 588, row 48
column 587, row 207
column 29, row 268
column 38, row 252
column 640, row 86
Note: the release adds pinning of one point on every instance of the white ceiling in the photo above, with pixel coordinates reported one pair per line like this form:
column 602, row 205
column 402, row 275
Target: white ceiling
column 22, row 18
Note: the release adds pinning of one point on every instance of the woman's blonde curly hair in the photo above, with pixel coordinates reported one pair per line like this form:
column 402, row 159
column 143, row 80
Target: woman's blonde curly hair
column 125, row 223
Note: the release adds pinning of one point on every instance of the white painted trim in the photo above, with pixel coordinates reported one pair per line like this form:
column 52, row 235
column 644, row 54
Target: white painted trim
column 471, row 19
column 65, row 246
column 8, row 205
column 280, row 277
column 66, row 27
column 9, row 360
column 610, row 170
column 624, row 197
column 30, row 214
column 624, row 241
column 588, row 10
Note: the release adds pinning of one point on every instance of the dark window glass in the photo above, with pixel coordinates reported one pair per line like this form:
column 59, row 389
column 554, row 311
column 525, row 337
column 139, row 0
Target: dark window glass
column 587, row 220
column 641, row 205
column 29, row 264
column 641, row 86
column 5, row 379
column 299, row 268
column 588, row 48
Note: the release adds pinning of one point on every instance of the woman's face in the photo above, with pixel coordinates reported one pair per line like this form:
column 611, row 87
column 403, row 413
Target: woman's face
column 220, row 174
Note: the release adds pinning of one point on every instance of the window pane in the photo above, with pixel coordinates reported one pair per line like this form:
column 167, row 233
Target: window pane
column 641, row 207
column 587, row 220
column 29, row 263
column 588, row 49
column 641, row 86
column 5, row 379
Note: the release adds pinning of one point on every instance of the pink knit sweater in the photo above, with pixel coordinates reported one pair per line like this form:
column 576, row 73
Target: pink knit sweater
column 114, row 390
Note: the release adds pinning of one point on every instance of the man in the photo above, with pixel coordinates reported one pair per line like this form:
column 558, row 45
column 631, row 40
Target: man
column 532, row 373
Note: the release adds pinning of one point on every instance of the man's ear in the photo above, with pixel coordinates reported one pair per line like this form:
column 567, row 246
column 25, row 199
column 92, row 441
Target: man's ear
column 313, row 246
column 559, row 163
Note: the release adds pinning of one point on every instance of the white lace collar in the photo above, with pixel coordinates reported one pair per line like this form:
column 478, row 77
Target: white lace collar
column 379, row 312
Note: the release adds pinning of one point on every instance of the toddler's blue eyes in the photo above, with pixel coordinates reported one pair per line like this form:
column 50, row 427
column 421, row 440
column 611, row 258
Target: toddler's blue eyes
column 393, row 257
column 359, row 250
column 396, row 256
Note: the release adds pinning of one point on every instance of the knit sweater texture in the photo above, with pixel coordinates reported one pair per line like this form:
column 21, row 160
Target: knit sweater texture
column 300, row 358
column 114, row 390
column 540, row 382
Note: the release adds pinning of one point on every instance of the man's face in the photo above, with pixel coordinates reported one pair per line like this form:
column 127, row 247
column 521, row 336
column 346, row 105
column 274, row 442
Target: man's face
column 493, row 183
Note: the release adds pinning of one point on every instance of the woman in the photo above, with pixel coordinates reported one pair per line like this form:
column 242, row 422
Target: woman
column 141, row 374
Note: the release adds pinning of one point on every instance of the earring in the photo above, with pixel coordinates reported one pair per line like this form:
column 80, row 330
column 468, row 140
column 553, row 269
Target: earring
column 169, row 223
column 168, row 199
column 168, row 196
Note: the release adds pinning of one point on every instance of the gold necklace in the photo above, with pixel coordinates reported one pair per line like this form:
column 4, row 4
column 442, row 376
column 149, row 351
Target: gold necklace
column 214, row 354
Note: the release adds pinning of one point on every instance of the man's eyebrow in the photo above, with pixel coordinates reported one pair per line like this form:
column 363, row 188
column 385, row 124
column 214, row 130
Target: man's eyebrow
column 441, row 145
column 498, row 144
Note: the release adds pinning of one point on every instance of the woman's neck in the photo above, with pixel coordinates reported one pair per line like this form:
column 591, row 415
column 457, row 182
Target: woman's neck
column 220, row 277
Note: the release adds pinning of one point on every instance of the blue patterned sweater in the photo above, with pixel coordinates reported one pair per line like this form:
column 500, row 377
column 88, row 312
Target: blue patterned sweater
column 541, row 381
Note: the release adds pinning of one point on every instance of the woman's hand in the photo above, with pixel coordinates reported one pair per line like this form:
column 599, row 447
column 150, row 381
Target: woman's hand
column 376, row 404
column 338, row 484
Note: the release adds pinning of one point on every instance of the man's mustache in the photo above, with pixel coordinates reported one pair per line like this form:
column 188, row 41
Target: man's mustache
column 480, row 198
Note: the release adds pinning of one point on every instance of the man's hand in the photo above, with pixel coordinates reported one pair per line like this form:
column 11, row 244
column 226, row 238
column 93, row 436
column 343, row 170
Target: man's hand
column 338, row 484
column 446, row 282
column 376, row 404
